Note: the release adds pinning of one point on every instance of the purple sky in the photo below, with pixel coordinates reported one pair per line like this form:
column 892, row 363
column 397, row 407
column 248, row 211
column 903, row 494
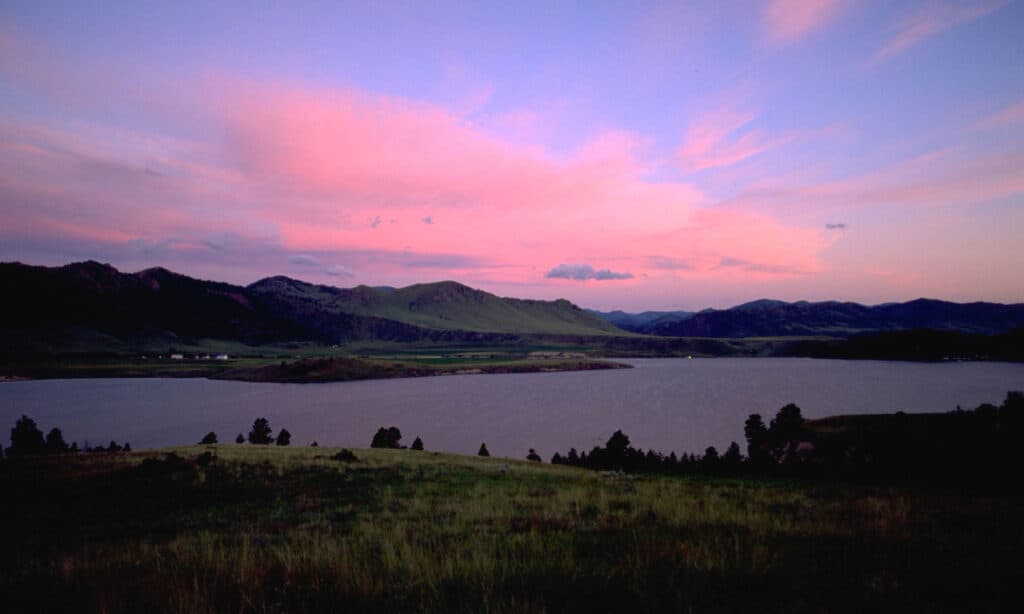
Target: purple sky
column 673, row 155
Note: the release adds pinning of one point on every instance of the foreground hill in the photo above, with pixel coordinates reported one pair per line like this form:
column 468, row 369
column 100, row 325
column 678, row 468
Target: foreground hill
column 225, row 528
column 93, row 306
column 768, row 318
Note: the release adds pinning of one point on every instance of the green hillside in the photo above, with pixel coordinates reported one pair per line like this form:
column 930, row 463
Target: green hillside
column 445, row 305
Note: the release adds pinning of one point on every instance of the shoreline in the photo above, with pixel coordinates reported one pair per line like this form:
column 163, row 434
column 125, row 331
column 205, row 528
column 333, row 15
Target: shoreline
column 306, row 371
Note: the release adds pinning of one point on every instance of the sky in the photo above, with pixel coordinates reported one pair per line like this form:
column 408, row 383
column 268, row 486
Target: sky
column 622, row 155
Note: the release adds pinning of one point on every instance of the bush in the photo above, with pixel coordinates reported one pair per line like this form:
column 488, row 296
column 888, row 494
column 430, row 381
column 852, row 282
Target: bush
column 533, row 456
column 417, row 444
column 284, row 437
column 483, row 450
column 260, row 433
column 210, row 438
column 240, row 438
column 345, row 456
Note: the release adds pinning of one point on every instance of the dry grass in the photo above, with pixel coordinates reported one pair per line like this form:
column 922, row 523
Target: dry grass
column 272, row 529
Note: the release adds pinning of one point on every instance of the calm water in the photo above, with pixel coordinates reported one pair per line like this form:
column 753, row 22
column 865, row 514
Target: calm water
column 665, row 404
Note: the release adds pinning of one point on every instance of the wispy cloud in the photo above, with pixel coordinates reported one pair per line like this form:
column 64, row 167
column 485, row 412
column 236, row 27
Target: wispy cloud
column 930, row 20
column 785, row 21
column 583, row 272
column 1012, row 114
column 722, row 138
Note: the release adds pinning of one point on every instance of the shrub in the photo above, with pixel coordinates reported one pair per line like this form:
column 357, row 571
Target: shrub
column 533, row 456
column 240, row 438
column 345, row 456
column 284, row 437
column 209, row 438
column 417, row 444
column 483, row 450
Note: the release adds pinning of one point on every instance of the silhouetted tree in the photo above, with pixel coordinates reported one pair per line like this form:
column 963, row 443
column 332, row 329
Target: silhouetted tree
column 283, row 437
column 785, row 431
column 260, row 433
column 573, row 457
column 732, row 457
column 114, row 447
column 556, row 459
column 314, row 444
column 417, row 444
column 617, row 444
column 387, row 438
column 711, row 455
column 483, row 450
column 240, row 439
column 757, row 439
column 127, row 447
column 26, row 438
column 533, row 456
column 209, row 438
column 74, row 447
column 55, row 443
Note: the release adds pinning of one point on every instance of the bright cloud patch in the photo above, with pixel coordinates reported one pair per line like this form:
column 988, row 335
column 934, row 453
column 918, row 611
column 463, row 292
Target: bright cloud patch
column 583, row 272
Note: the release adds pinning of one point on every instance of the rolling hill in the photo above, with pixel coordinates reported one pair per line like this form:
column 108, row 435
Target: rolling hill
column 90, row 306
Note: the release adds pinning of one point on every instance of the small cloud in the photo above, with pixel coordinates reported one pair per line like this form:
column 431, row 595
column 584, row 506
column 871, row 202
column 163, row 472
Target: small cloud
column 339, row 271
column 670, row 264
column 733, row 262
column 428, row 220
column 375, row 222
column 839, row 226
column 304, row 260
column 583, row 272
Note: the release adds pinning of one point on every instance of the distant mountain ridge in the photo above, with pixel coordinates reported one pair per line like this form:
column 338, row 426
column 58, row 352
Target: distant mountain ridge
column 89, row 305
column 772, row 318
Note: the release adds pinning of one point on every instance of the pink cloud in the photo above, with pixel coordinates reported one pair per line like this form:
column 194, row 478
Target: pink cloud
column 930, row 20
column 720, row 139
column 305, row 171
column 785, row 21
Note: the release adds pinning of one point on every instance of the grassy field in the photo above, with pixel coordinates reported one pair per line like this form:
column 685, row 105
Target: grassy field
column 257, row 529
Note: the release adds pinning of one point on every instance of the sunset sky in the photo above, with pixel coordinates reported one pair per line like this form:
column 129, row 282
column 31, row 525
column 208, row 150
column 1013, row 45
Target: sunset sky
column 675, row 155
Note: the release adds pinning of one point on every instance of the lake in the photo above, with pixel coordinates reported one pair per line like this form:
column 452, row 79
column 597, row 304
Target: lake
column 665, row 404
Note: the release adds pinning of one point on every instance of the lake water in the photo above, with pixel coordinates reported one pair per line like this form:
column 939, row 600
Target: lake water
column 665, row 404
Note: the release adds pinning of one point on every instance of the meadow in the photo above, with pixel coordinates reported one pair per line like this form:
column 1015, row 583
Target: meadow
column 264, row 528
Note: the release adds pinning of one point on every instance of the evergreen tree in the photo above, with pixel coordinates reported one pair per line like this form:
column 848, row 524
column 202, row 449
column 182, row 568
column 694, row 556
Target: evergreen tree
column 240, row 439
column 284, row 437
column 483, row 450
column 26, row 438
column 55, row 443
column 387, row 438
column 261, row 432
column 417, row 444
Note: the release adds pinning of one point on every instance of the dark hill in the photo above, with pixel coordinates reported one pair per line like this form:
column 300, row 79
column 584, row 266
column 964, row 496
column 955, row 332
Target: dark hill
column 769, row 318
column 92, row 306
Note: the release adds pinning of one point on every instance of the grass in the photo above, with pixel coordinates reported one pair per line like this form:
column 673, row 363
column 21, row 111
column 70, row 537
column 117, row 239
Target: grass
column 289, row 529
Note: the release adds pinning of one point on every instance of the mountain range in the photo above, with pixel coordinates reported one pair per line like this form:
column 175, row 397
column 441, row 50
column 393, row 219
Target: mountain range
column 771, row 318
column 89, row 306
